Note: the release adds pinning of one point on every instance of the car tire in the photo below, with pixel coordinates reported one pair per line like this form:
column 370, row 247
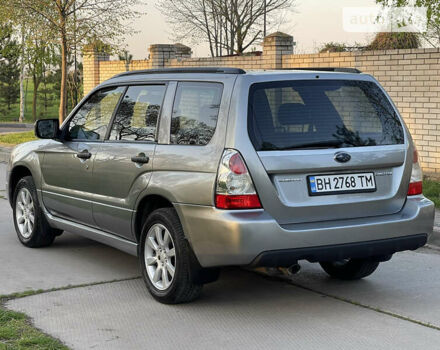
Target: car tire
column 31, row 225
column 166, row 259
column 350, row 269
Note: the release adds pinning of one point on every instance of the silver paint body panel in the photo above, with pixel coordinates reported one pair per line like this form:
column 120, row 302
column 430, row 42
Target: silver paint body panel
column 223, row 237
column 99, row 197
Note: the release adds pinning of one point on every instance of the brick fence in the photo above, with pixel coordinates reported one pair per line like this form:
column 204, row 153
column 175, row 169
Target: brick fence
column 411, row 77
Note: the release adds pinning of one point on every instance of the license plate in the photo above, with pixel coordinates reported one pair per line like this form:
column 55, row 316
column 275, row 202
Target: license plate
column 341, row 183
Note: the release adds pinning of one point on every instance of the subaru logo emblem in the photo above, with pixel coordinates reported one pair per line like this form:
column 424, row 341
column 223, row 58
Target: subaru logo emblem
column 342, row 157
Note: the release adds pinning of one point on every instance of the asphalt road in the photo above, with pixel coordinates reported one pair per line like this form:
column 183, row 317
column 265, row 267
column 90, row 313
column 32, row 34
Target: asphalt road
column 398, row 307
column 9, row 130
column 12, row 127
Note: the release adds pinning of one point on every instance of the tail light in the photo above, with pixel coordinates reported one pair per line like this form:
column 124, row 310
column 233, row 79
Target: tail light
column 415, row 185
column 235, row 189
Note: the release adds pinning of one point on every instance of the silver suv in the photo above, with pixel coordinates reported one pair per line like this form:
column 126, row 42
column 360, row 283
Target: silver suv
column 193, row 169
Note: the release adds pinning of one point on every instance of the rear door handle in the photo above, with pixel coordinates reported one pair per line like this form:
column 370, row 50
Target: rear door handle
column 140, row 159
column 84, row 154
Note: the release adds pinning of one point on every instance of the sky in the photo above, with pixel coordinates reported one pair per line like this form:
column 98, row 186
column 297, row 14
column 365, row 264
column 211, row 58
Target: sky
column 311, row 23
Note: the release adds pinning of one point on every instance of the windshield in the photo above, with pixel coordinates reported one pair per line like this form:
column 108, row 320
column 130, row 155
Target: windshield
column 321, row 114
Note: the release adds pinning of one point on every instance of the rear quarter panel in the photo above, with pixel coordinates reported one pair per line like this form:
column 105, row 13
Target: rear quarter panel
column 187, row 173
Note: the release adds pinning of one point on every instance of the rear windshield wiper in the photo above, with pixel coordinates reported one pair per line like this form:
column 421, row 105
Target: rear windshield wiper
column 315, row 144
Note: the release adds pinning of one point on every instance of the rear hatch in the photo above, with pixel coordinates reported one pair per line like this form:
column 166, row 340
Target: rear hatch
column 332, row 149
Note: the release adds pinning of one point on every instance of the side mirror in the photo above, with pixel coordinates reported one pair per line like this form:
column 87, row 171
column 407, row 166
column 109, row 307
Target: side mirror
column 47, row 128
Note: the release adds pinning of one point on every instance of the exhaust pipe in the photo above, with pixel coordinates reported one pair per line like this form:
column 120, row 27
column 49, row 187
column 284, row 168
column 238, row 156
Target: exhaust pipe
column 293, row 269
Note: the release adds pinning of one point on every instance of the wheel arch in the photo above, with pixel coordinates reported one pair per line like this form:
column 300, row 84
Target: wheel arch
column 17, row 173
column 145, row 207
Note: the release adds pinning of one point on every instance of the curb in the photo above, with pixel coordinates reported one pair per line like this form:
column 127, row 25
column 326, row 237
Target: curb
column 5, row 153
column 434, row 240
column 17, row 125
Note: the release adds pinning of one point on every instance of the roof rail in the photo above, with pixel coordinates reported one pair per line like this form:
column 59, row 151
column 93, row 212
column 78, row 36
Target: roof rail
column 217, row 70
column 328, row 69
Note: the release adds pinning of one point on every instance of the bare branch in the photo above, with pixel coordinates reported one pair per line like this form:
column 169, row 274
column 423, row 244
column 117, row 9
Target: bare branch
column 231, row 24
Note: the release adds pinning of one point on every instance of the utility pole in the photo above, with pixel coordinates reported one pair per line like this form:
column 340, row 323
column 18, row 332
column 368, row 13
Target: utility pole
column 75, row 64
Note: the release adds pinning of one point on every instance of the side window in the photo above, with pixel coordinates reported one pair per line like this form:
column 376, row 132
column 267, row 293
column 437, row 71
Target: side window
column 195, row 113
column 92, row 119
column 138, row 113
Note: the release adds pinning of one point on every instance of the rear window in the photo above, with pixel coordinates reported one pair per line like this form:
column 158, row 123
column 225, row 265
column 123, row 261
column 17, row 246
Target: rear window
column 320, row 114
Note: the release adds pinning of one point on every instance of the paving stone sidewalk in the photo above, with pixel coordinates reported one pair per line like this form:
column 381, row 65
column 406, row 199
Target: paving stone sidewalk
column 396, row 307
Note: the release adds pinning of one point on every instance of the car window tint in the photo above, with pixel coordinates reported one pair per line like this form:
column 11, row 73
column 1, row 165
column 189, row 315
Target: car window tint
column 195, row 113
column 92, row 119
column 321, row 113
column 137, row 116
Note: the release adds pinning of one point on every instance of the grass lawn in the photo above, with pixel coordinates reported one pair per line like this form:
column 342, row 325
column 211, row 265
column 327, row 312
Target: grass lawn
column 16, row 332
column 42, row 113
column 17, row 137
column 431, row 190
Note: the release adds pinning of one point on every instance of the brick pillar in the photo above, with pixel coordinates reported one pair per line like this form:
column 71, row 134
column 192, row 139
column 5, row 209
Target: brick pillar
column 274, row 47
column 91, row 60
column 182, row 51
column 160, row 54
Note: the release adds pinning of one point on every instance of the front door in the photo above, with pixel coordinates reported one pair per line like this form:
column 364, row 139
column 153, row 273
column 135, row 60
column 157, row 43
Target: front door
column 67, row 168
column 124, row 163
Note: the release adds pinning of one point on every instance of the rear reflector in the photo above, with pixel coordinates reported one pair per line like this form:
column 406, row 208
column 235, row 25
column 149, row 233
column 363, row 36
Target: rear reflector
column 245, row 201
column 415, row 156
column 236, row 164
column 415, row 188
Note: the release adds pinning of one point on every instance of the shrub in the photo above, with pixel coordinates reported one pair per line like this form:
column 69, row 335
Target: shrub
column 390, row 41
column 333, row 47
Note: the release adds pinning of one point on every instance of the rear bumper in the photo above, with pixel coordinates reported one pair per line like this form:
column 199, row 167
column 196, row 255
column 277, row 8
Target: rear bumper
column 378, row 250
column 222, row 237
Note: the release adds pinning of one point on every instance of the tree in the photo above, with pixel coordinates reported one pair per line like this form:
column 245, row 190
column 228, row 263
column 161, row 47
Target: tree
column 230, row 25
column 9, row 66
column 127, row 57
column 19, row 23
column 74, row 86
column 40, row 56
column 47, row 92
column 22, row 72
column 71, row 23
column 390, row 41
column 432, row 34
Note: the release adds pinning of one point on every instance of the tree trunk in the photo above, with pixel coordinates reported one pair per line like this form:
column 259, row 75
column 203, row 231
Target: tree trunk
column 22, row 66
column 239, row 42
column 63, row 89
column 34, row 97
column 232, row 44
column 208, row 31
column 45, row 97
column 26, row 89
column 45, row 90
column 34, row 105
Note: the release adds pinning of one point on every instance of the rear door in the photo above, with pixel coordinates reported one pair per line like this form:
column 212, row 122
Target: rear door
column 124, row 162
column 331, row 149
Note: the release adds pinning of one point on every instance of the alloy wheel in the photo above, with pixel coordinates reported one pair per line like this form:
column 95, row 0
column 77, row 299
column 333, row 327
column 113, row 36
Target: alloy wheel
column 25, row 213
column 160, row 256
